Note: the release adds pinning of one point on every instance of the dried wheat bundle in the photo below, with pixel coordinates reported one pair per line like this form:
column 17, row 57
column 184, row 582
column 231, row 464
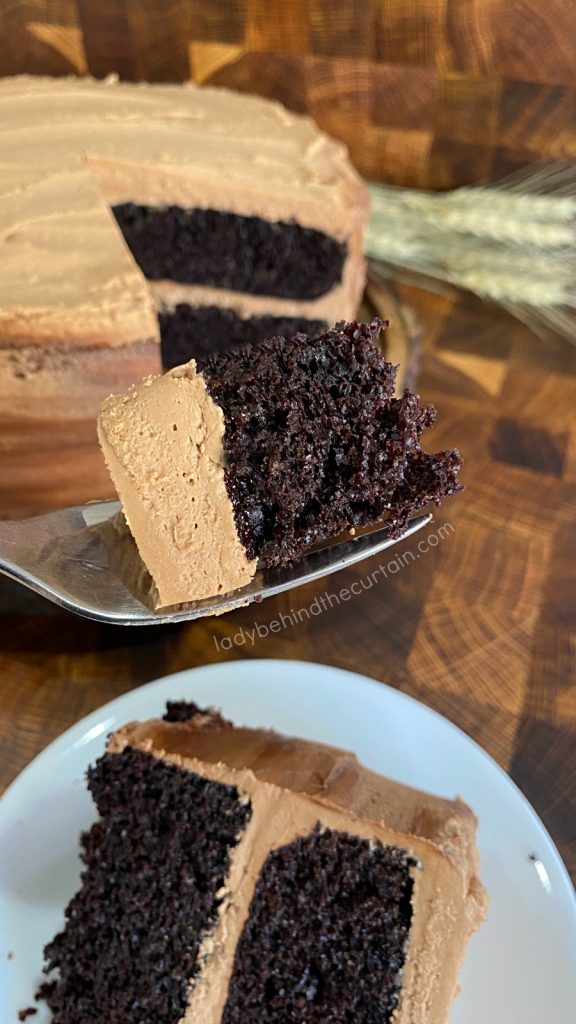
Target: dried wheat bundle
column 513, row 242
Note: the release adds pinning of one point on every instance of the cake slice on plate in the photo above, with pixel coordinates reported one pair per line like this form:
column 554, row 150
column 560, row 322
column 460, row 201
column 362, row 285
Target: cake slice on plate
column 267, row 451
column 236, row 876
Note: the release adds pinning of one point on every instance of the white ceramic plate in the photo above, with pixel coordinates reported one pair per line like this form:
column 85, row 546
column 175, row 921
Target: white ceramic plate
column 520, row 968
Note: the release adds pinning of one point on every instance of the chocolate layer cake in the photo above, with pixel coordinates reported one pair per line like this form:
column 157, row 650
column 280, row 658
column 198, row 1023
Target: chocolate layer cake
column 267, row 451
column 134, row 214
column 236, row 876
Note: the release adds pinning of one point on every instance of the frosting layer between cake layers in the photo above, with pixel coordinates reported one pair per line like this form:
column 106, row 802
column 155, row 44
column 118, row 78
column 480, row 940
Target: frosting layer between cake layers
column 295, row 790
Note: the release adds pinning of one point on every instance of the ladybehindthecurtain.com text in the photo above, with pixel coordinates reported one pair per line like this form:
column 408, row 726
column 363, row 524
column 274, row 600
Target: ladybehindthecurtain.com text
column 332, row 598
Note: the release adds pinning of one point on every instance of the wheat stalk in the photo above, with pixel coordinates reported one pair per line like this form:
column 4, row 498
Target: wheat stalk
column 512, row 243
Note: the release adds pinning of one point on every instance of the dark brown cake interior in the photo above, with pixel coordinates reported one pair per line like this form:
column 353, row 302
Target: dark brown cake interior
column 316, row 443
column 188, row 332
column 182, row 711
column 326, row 934
column 227, row 250
column 153, row 866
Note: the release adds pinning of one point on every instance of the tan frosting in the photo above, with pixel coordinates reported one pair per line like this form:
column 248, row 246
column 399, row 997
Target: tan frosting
column 72, row 146
column 292, row 785
column 168, row 294
column 162, row 442
column 66, row 273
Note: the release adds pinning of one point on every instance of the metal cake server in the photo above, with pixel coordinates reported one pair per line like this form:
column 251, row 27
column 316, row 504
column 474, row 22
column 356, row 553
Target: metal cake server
column 64, row 557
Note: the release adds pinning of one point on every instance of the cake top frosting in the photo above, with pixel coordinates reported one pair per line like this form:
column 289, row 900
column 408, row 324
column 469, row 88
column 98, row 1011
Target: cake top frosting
column 224, row 141
column 73, row 147
column 326, row 773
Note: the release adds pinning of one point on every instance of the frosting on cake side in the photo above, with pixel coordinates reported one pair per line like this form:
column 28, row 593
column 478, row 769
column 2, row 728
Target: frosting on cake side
column 163, row 445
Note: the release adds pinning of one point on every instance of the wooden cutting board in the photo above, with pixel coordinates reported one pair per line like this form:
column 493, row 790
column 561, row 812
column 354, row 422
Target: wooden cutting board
column 427, row 93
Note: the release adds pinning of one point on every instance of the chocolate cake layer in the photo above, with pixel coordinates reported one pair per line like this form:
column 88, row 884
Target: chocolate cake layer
column 228, row 250
column 325, row 939
column 155, row 864
column 189, row 332
column 315, row 442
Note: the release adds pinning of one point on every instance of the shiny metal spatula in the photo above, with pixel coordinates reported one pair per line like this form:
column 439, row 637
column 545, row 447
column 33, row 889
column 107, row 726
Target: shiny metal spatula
column 64, row 557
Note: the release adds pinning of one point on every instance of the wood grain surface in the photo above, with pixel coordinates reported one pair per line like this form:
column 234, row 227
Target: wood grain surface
column 479, row 624
column 427, row 93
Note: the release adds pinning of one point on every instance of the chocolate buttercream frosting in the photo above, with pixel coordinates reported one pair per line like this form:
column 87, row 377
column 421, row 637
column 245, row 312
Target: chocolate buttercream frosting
column 163, row 444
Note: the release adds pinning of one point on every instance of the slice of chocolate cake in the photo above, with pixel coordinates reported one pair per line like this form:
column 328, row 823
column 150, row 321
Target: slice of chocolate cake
column 236, row 876
column 267, row 451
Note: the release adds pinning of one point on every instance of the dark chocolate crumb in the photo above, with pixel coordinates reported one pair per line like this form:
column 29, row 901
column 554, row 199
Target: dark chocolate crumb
column 186, row 711
column 181, row 711
column 28, row 1012
column 154, row 865
column 189, row 332
column 227, row 250
column 316, row 442
column 326, row 934
column 45, row 990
